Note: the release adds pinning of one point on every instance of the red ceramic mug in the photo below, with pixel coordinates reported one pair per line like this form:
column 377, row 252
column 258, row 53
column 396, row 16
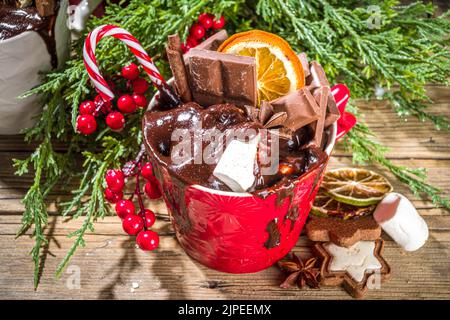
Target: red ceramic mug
column 239, row 232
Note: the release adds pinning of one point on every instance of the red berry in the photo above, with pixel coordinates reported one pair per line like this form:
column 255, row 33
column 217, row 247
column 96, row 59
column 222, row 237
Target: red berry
column 147, row 171
column 115, row 180
column 219, row 24
column 191, row 42
column 105, row 106
column 125, row 208
column 132, row 224
column 113, row 197
column 86, row 124
column 130, row 71
column 140, row 100
column 126, row 104
column 149, row 218
column 87, row 107
column 147, row 240
column 185, row 47
column 197, row 31
column 152, row 190
column 115, row 120
column 206, row 20
column 140, row 85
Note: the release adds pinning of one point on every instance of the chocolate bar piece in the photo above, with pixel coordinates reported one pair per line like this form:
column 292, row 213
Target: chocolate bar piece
column 175, row 57
column 300, row 106
column 45, row 7
column 222, row 78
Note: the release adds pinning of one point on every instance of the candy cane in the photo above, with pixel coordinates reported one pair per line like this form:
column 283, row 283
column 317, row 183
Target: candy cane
column 133, row 44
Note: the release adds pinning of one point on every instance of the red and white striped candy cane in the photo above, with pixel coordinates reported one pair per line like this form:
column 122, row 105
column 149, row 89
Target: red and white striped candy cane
column 133, row 44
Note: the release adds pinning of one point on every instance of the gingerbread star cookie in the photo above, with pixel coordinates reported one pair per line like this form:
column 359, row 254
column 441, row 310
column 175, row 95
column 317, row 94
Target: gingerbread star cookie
column 356, row 268
column 341, row 223
column 342, row 232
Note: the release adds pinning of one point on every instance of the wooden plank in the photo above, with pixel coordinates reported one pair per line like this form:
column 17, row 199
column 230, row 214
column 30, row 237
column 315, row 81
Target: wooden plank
column 110, row 264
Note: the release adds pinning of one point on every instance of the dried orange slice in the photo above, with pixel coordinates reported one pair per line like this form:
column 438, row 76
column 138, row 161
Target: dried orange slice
column 279, row 70
column 326, row 206
column 357, row 187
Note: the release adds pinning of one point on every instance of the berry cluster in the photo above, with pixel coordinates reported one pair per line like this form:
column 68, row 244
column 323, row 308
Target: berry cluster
column 134, row 223
column 202, row 29
column 126, row 103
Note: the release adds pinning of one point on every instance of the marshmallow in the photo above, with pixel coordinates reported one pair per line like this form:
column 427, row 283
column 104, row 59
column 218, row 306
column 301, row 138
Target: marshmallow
column 399, row 219
column 237, row 164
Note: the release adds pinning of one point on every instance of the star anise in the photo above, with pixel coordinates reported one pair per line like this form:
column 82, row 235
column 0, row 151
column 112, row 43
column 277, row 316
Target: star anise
column 300, row 272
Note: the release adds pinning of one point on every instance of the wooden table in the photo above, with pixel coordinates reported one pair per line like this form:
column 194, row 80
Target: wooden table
column 110, row 266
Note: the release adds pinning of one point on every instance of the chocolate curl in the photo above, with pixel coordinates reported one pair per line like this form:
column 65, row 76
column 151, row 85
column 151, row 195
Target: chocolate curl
column 300, row 106
column 321, row 95
column 45, row 7
column 175, row 57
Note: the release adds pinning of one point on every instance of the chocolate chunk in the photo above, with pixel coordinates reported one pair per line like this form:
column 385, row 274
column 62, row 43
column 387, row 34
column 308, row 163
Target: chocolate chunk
column 45, row 7
column 305, row 64
column 222, row 78
column 265, row 111
column 317, row 77
column 214, row 41
column 321, row 95
column 333, row 113
column 179, row 73
column 300, row 107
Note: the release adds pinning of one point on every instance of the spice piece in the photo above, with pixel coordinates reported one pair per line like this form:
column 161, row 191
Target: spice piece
column 300, row 273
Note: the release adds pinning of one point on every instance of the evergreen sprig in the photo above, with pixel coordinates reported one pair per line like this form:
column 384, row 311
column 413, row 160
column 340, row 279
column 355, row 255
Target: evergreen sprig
column 406, row 50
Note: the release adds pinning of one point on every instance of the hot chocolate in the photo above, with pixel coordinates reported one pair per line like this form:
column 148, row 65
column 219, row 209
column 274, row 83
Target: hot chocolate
column 194, row 124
